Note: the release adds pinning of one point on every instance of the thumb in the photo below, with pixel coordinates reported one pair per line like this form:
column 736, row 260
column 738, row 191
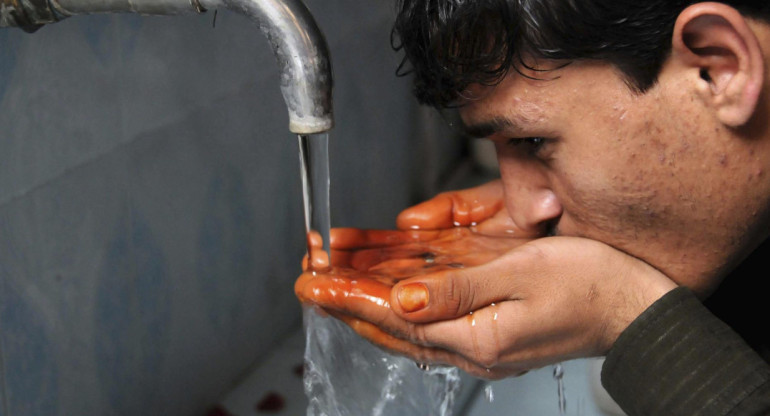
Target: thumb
column 454, row 293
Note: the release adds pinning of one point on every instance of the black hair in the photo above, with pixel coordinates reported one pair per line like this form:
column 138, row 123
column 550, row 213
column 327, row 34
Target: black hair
column 450, row 44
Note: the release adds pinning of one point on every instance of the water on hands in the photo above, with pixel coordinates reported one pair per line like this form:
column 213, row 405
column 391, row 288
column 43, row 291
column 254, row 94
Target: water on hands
column 344, row 374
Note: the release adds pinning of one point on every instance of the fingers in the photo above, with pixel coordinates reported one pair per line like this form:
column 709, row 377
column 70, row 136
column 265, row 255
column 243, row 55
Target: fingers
column 319, row 259
column 314, row 239
column 365, row 298
column 471, row 342
column 433, row 214
column 499, row 225
column 453, row 293
column 457, row 208
column 368, row 300
column 316, row 258
column 344, row 292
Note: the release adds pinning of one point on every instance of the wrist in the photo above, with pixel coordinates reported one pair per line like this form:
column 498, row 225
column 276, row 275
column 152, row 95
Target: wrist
column 639, row 287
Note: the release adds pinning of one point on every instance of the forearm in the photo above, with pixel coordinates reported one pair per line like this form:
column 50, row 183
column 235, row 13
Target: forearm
column 691, row 362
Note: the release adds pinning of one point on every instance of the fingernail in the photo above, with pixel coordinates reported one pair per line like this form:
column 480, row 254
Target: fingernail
column 413, row 297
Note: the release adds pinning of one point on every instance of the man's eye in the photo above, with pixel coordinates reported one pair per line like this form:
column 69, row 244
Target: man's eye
column 529, row 144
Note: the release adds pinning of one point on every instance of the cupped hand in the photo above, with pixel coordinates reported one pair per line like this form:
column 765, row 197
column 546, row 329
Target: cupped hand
column 367, row 263
column 537, row 303
column 388, row 256
column 396, row 254
column 482, row 208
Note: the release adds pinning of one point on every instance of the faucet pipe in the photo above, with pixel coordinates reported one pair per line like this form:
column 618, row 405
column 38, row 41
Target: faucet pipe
column 297, row 42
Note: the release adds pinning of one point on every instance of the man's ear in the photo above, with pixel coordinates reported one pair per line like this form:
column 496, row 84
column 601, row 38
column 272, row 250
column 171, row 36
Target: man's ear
column 716, row 41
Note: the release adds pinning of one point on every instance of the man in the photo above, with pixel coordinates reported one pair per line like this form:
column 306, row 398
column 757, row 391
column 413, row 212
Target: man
column 634, row 137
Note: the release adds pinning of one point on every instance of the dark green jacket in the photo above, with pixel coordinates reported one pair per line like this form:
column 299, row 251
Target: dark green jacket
column 684, row 357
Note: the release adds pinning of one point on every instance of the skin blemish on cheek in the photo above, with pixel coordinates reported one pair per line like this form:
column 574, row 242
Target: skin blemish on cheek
column 620, row 109
column 723, row 160
column 592, row 293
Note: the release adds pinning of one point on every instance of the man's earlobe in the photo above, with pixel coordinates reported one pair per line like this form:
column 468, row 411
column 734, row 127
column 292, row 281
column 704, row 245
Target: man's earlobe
column 717, row 42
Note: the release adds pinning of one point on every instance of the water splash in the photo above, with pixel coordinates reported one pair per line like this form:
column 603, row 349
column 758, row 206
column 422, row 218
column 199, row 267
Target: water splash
column 393, row 380
column 489, row 393
column 344, row 374
column 558, row 375
column 347, row 376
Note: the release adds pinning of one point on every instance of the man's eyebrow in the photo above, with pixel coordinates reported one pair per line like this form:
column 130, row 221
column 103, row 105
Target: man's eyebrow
column 487, row 128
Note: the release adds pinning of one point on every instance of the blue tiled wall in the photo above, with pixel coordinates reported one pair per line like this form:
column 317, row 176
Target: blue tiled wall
column 150, row 208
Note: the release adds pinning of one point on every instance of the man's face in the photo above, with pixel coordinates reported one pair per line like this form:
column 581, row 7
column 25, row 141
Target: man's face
column 654, row 175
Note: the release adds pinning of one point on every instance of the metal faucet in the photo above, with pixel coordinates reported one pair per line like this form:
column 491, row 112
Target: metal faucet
column 296, row 40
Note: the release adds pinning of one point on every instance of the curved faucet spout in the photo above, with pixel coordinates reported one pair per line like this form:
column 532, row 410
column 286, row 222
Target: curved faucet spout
column 297, row 42
column 302, row 55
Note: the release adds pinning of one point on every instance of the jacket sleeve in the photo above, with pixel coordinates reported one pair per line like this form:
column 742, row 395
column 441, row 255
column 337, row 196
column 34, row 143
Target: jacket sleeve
column 679, row 359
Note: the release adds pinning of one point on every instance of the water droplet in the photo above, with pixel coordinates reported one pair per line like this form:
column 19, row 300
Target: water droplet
column 489, row 392
column 558, row 371
column 428, row 257
column 456, row 223
column 558, row 374
column 494, row 326
column 471, row 324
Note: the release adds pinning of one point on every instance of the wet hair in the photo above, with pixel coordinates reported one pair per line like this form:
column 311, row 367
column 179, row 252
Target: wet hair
column 450, row 44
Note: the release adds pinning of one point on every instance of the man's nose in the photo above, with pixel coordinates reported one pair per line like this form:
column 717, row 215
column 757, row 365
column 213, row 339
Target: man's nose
column 534, row 210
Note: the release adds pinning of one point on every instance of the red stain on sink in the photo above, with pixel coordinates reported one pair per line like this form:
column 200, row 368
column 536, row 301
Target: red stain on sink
column 272, row 402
